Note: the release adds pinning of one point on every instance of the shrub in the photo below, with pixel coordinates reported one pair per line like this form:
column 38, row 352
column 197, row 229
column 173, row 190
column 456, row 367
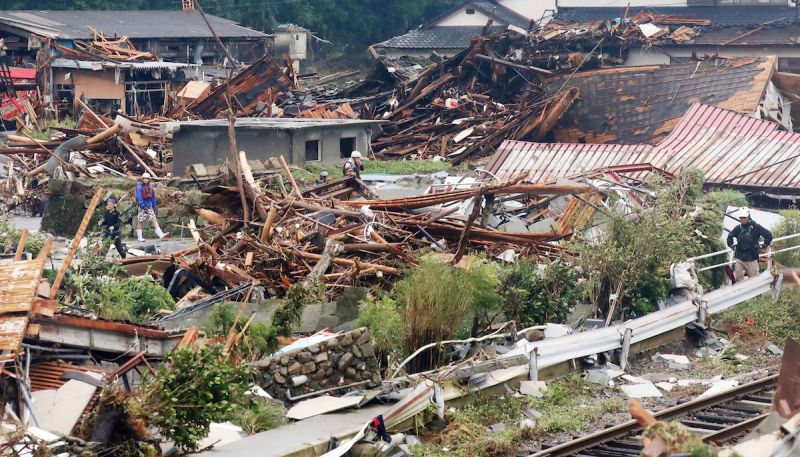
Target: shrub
column 384, row 320
column 256, row 415
column 638, row 246
column 534, row 294
column 789, row 226
column 259, row 340
column 10, row 234
column 191, row 390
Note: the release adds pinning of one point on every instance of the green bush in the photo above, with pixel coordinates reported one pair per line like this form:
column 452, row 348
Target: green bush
column 260, row 340
column 131, row 299
column 256, row 416
column 10, row 234
column 189, row 391
column 383, row 319
column 639, row 246
column 534, row 294
column 789, row 226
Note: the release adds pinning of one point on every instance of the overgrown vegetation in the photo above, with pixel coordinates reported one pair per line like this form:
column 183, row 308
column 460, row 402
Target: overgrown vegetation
column 789, row 226
column 391, row 167
column 568, row 405
column 102, row 286
column 259, row 339
column 189, row 391
column 536, row 294
column 255, row 415
column 10, row 234
column 631, row 261
column 776, row 321
column 49, row 129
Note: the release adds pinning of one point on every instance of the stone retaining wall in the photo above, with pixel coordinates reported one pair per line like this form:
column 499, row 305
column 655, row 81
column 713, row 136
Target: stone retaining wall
column 346, row 359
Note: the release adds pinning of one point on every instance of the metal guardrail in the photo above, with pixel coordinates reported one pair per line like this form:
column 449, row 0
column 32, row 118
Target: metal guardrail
column 768, row 255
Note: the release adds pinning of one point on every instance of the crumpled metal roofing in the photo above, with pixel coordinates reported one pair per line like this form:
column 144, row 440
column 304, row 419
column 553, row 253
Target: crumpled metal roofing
column 730, row 148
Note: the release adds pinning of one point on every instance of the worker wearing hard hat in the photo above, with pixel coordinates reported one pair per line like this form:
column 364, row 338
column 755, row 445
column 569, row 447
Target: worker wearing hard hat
column 353, row 165
column 747, row 235
column 323, row 178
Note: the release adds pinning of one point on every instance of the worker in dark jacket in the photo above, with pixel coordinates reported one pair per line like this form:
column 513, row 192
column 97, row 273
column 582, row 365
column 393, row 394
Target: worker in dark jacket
column 747, row 235
column 112, row 223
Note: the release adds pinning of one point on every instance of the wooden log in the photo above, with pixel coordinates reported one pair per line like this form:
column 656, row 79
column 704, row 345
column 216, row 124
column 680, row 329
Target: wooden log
column 347, row 262
column 92, row 113
column 105, row 134
column 265, row 231
column 288, row 172
column 76, row 241
column 23, row 238
column 237, row 169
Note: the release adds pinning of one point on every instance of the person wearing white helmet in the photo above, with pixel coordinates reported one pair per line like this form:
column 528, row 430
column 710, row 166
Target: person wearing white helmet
column 748, row 235
column 323, row 178
column 353, row 165
column 146, row 198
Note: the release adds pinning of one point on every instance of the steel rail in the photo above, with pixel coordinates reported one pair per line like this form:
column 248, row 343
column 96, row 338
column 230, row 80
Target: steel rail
column 630, row 426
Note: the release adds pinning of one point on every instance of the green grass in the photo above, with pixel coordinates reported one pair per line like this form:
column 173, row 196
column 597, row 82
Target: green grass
column 391, row 167
column 569, row 405
column 49, row 130
column 777, row 321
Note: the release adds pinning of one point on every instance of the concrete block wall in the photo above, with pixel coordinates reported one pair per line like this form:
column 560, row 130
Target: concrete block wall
column 340, row 361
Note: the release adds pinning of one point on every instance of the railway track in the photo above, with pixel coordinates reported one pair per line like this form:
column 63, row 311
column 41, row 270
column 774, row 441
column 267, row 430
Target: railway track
column 719, row 418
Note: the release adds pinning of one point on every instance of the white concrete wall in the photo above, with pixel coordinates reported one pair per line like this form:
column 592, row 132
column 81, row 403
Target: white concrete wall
column 532, row 9
column 460, row 17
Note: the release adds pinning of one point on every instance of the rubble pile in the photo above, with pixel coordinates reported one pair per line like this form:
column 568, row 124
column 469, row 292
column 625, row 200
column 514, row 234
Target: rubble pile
column 374, row 238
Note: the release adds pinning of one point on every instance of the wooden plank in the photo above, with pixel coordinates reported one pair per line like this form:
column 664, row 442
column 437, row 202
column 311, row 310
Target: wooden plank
column 87, row 216
column 23, row 238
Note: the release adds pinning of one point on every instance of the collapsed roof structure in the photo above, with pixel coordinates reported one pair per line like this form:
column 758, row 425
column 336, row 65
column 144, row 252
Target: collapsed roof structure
column 732, row 150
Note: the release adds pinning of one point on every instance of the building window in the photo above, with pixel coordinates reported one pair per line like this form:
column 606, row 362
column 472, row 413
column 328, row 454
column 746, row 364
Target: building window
column 312, row 150
column 346, row 146
column 470, row 10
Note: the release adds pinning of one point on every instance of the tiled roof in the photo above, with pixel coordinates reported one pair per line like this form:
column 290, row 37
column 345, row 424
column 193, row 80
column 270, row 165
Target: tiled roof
column 724, row 16
column 133, row 24
column 643, row 104
column 436, row 37
column 770, row 35
column 503, row 14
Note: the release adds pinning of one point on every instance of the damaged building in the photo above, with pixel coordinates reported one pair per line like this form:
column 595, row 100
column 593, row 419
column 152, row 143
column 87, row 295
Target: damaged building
column 731, row 149
column 643, row 104
column 322, row 141
column 128, row 60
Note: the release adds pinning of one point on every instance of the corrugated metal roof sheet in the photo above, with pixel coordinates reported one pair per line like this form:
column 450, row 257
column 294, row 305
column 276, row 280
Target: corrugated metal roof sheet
column 721, row 143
